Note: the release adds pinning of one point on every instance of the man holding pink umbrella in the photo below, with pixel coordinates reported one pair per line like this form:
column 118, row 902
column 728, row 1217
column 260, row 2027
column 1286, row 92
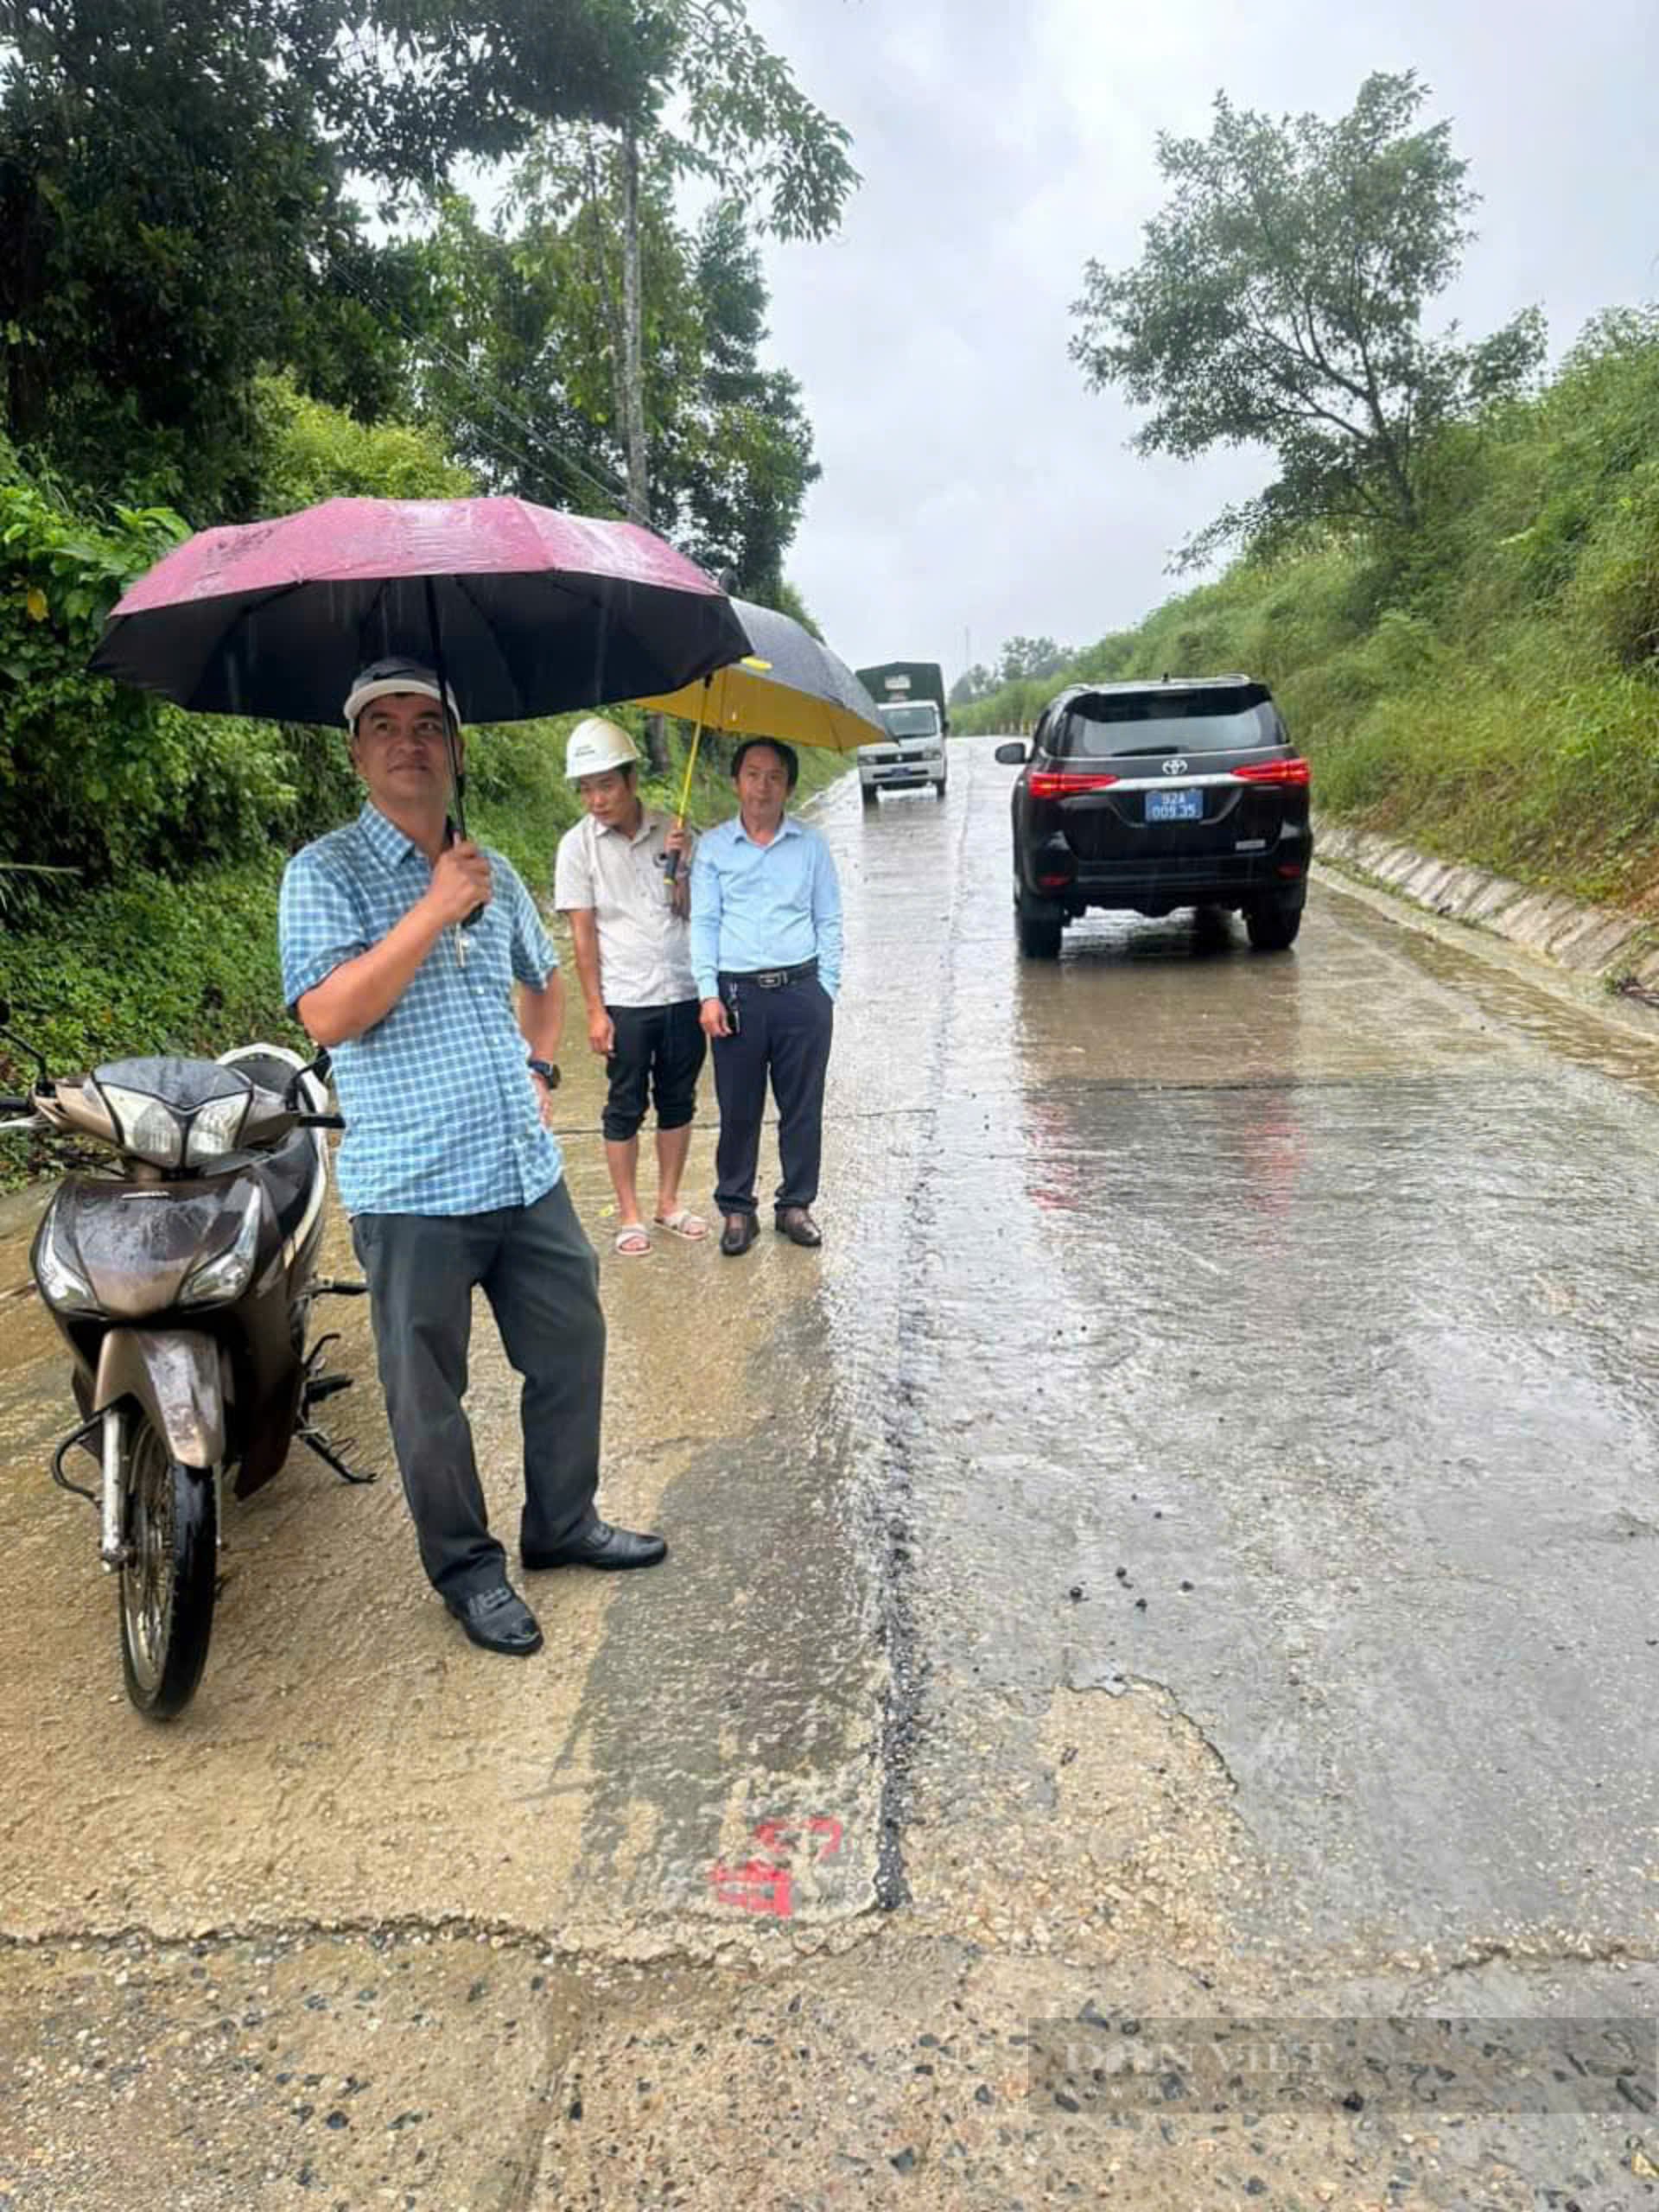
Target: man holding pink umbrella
column 401, row 943
column 401, row 946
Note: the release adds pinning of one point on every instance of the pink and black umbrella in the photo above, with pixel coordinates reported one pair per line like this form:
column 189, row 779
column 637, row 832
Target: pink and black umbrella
column 526, row 610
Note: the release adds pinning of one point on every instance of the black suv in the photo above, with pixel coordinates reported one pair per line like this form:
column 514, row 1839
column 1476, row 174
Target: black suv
column 1186, row 792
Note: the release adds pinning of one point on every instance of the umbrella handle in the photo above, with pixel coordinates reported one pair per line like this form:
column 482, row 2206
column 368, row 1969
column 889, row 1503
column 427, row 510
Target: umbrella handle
column 672, row 867
column 457, row 780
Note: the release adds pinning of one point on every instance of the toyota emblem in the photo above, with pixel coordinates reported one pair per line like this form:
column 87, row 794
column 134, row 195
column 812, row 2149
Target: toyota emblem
column 1176, row 767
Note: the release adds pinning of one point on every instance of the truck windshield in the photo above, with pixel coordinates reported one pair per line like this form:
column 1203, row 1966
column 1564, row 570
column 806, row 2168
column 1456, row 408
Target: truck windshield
column 919, row 719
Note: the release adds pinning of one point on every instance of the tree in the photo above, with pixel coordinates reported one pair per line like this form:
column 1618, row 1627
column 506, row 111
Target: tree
column 478, row 81
column 742, row 124
column 528, row 381
column 165, row 198
column 172, row 193
column 738, row 471
column 1028, row 659
column 310, row 451
column 1280, row 299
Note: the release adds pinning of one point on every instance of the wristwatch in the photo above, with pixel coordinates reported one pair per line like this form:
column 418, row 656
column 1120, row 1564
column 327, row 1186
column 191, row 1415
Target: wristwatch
column 548, row 1070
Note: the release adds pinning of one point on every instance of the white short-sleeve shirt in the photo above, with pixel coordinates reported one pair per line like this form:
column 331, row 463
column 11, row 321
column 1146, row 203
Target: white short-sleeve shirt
column 645, row 948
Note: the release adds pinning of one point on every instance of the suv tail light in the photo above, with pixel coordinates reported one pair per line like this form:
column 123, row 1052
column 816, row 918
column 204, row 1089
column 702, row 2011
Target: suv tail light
column 1273, row 772
column 1062, row 782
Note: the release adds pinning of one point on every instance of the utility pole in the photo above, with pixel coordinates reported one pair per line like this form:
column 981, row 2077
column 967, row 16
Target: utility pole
column 633, row 388
column 634, row 382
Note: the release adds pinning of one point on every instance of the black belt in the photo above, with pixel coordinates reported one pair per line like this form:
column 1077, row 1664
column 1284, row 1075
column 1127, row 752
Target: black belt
column 769, row 979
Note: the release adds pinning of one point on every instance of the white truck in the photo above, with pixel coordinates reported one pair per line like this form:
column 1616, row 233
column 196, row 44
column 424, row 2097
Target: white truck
column 909, row 696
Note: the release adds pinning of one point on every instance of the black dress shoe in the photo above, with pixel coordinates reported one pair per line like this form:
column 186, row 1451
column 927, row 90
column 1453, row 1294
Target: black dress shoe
column 739, row 1232
column 600, row 1545
column 498, row 1619
column 797, row 1224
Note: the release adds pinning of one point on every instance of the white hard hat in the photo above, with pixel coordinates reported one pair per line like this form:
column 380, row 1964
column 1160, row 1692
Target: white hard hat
column 595, row 746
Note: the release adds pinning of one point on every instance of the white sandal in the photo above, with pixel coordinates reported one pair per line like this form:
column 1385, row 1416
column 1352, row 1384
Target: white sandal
column 684, row 1222
column 625, row 1241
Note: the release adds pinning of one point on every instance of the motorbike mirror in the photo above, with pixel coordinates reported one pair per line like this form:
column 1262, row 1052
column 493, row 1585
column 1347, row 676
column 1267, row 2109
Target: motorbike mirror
column 319, row 1067
column 25, row 1048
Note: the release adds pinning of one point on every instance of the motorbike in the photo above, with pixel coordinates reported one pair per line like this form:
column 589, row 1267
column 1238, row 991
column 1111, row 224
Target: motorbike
column 183, row 1285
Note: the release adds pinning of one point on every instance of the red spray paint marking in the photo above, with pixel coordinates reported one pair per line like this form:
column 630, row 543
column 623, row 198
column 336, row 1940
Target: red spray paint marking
column 770, row 1834
column 759, row 1886
column 754, row 1887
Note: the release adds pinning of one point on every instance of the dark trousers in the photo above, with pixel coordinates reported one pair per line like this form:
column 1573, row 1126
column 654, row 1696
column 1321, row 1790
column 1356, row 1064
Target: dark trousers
column 658, row 1053
column 537, row 1269
column 783, row 1034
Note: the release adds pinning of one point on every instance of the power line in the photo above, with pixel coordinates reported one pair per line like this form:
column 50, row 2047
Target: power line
column 609, row 491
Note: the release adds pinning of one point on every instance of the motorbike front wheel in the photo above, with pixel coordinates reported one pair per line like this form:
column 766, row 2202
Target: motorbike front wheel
column 168, row 1577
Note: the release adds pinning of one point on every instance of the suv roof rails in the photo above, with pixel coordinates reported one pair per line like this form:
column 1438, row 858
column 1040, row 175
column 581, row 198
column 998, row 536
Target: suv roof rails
column 1156, row 683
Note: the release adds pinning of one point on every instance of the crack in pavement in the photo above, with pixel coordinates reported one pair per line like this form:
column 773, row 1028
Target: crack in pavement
column 805, row 1939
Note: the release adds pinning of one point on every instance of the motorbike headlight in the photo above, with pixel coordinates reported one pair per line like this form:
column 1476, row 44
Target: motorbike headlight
column 219, row 1281
column 62, row 1284
column 145, row 1125
column 215, row 1129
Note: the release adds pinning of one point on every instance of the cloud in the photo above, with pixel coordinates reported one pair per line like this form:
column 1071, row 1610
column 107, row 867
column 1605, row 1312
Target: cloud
column 971, row 484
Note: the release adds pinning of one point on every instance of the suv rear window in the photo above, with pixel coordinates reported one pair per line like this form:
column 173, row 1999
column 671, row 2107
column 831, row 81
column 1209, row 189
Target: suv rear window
column 1219, row 719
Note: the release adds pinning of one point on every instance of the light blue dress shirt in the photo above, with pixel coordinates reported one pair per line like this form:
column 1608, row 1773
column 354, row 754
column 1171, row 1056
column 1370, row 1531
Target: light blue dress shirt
column 753, row 906
column 442, row 1116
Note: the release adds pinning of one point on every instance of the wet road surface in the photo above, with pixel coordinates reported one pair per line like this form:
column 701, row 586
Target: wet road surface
column 1187, row 1544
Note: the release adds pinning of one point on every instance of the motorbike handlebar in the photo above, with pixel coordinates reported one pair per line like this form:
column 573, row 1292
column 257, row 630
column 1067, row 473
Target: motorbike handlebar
column 16, row 1106
column 320, row 1120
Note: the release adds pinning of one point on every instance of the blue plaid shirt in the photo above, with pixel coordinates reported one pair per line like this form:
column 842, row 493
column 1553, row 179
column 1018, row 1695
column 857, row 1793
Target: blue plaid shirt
column 442, row 1116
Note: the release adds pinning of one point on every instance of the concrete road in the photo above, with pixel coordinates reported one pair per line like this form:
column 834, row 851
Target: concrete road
column 1185, row 1549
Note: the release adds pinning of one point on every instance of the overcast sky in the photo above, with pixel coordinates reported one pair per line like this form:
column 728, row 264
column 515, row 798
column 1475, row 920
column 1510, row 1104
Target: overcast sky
column 972, row 488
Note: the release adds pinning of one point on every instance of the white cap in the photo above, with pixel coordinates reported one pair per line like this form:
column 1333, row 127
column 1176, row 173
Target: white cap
column 595, row 746
column 381, row 678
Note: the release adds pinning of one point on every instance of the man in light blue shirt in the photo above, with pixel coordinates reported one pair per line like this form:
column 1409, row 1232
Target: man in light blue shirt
column 400, row 947
column 765, row 951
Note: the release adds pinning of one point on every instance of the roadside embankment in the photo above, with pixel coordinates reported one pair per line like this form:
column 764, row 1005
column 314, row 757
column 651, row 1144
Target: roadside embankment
column 1605, row 944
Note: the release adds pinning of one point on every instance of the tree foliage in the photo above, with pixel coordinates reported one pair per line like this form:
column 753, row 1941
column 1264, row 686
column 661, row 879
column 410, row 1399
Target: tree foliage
column 307, row 451
column 173, row 195
column 1280, row 299
column 94, row 776
column 1022, row 660
column 1030, row 657
column 749, row 129
column 478, row 81
column 526, row 384
column 167, row 201
column 197, row 325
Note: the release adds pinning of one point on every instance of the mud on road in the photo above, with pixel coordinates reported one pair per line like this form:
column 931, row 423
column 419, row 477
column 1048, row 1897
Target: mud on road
column 1185, row 1548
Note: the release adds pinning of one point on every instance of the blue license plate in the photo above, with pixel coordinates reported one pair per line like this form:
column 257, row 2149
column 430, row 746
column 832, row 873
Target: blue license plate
column 1174, row 806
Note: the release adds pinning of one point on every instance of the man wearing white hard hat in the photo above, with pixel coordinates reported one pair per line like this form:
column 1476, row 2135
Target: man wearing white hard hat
column 401, row 948
column 633, row 963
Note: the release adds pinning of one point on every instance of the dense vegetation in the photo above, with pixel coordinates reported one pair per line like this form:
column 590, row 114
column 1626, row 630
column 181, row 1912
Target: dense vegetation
column 200, row 324
column 176, row 826
column 1485, row 684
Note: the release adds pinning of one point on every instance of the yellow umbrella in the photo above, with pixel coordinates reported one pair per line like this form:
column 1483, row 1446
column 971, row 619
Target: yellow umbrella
column 787, row 686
